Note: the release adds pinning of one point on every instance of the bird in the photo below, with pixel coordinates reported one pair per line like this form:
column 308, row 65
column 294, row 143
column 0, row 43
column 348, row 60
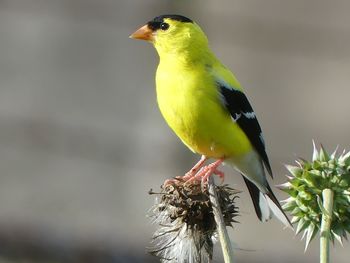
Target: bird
column 204, row 104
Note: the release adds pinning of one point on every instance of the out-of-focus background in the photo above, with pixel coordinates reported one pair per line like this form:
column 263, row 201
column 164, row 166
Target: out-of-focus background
column 82, row 141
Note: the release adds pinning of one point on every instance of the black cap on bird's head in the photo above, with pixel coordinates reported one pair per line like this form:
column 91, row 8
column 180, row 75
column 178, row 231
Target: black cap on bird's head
column 173, row 17
column 158, row 23
column 174, row 34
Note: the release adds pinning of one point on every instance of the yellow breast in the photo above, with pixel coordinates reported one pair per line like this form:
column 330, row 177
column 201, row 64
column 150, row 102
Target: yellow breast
column 189, row 101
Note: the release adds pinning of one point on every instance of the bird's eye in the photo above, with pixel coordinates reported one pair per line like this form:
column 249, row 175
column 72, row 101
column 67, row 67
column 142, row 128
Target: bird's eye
column 164, row 26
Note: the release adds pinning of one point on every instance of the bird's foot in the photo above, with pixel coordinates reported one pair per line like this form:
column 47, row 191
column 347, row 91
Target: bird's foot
column 199, row 173
column 207, row 171
column 190, row 174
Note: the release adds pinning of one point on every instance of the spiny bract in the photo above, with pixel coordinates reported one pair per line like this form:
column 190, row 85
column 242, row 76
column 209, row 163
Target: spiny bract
column 305, row 186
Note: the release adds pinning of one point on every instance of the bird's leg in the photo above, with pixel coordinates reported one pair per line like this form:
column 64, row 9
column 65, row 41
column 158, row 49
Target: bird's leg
column 194, row 170
column 213, row 169
column 220, row 174
column 191, row 173
column 204, row 174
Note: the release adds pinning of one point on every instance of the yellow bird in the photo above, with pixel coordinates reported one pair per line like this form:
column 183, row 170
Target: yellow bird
column 204, row 104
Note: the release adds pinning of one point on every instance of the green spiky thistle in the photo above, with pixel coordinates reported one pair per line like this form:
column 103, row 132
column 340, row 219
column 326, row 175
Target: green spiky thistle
column 307, row 183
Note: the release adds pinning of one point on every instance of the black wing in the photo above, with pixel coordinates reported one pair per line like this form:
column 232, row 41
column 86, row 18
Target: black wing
column 243, row 114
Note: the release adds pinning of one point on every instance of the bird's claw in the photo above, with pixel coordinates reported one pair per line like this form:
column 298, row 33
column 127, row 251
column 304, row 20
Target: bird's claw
column 198, row 174
column 207, row 171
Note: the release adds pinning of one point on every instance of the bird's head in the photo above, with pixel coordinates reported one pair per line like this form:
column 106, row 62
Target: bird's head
column 173, row 34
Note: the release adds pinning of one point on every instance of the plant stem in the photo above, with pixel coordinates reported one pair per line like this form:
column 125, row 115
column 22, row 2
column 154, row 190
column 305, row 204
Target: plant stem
column 220, row 223
column 327, row 196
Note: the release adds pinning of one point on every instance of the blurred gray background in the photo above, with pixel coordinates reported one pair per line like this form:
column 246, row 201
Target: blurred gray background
column 82, row 141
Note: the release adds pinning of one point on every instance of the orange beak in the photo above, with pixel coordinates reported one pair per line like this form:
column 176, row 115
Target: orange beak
column 143, row 33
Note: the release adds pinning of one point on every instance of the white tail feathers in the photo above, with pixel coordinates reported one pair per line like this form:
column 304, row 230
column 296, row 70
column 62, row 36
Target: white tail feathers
column 265, row 203
column 264, row 208
column 276, row 211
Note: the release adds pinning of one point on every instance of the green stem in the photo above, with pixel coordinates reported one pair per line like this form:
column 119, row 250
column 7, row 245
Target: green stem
column 327, row 197
column 226, row 246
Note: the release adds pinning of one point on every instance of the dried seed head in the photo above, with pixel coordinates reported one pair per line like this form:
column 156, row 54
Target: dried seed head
column 305, row 188
column 187, row 227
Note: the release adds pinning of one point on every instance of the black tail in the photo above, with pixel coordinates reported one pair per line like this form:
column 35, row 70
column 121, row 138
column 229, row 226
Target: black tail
column 266, row 204
column 255, row 195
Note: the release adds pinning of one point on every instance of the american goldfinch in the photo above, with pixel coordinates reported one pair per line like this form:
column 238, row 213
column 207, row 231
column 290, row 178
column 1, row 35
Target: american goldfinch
column 204, row 104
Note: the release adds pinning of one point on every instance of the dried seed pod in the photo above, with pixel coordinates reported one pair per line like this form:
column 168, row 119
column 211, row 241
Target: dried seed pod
column 187, row 227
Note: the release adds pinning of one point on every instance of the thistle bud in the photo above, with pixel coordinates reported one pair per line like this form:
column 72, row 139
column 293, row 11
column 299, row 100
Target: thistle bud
column 305, row 184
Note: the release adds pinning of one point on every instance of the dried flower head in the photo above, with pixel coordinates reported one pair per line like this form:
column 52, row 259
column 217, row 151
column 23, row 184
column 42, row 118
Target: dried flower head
column 187, row 227
column 305, row 186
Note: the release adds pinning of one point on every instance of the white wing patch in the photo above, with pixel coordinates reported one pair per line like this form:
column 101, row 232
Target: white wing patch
column 249, row 115
column 236, row 117
column 243, row 114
